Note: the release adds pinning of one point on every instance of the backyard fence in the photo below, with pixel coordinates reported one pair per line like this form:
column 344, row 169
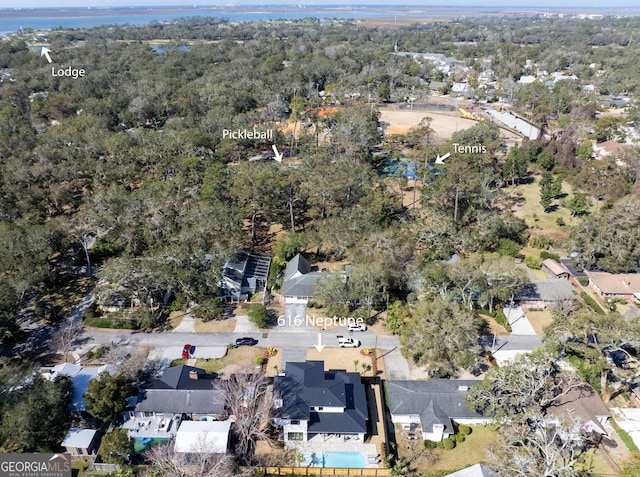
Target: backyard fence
column 320, row 471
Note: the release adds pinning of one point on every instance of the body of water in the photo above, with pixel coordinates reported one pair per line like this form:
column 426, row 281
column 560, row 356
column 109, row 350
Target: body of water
column 12, row 21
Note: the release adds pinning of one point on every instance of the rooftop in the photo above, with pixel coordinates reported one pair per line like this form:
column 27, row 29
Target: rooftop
column 80, row 438
column 203, row 436
column 307, row 385
column 547, row 290
column 616, row 283
column 435, row 400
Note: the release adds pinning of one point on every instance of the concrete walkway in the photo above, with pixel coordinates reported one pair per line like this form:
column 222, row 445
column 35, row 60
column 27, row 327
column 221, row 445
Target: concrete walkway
column 519, row 322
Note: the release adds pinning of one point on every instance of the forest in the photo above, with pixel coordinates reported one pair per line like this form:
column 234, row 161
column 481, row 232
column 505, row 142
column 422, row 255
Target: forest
column 126, row 169
column 124, row 174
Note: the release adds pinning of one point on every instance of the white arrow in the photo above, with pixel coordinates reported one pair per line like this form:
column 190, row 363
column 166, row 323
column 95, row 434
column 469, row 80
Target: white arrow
column 319, row 346
column 278, row 156
column 45, row 52
column 440, row 160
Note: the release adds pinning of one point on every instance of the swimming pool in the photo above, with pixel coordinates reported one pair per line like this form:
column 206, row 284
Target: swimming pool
column 343, row 460
column 140, row 444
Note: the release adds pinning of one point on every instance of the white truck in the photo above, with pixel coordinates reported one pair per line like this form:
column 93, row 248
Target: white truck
column 345, row 342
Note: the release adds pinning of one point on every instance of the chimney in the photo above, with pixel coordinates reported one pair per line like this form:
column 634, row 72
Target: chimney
column 193, row 375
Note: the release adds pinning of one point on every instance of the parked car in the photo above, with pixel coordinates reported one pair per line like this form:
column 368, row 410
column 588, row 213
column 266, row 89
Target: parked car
column 344, row 342
column 186, row 351
column 246, row 341
column 356, row 327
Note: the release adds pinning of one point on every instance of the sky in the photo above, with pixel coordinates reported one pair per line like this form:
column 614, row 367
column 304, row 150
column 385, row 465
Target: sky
column 475, row 3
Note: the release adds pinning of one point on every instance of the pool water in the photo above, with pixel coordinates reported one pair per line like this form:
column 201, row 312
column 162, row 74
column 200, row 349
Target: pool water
column 343, row 460
column 140, row 444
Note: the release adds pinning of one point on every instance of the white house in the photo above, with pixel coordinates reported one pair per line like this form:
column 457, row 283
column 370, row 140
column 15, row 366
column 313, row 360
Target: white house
column 299, row 280
column 80, row 377
column 204, row 437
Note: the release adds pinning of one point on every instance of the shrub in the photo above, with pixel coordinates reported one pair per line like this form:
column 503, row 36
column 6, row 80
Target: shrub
column 448, row 443
column 560, row 221
column 544, row 255
column 533, row 262
column 592, row 303
column 440, row 444
column 540, row 241
column 430, row 444
column 459, row 438
column 501, row 319
column 465, row 430
column 584, row 281
column 508, row 248
column 258, row 315
column 259, row 360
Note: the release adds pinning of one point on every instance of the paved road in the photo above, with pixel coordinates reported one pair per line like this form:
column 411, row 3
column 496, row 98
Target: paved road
column 274, row 338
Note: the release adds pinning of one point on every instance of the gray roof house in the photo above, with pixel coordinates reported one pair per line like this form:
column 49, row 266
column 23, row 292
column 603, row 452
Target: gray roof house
column 181, row 391
column 430, row 407
column 298, row 281
column 82, row 444
column 544, row 293
column 313, row 402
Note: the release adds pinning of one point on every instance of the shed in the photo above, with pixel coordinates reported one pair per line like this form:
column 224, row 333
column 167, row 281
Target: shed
column 82, row 444
column 203, row 437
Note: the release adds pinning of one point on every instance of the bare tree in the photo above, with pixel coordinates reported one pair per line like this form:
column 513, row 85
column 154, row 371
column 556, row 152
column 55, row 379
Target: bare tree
column 164, row 461
column 65, row 336
column 130, row 361
column 536, row 448
column 249, row 403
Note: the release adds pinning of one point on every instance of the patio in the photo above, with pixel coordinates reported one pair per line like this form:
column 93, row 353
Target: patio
column 151, row 427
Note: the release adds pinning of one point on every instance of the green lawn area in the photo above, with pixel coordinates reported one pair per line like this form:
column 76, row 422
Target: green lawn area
column 471, row 451
column 528, row 208
column 241, row 356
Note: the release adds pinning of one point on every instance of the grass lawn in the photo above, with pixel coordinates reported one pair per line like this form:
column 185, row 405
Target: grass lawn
column 240, row 357
column 215, row 326
column 539, row 320
column 345, row 358
column 528, row 208
column 471, row 451
column 594, row 463
column 175, row 317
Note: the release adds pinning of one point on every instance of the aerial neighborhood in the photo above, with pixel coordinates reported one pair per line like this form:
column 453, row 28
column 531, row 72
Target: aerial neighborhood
column 417, row 254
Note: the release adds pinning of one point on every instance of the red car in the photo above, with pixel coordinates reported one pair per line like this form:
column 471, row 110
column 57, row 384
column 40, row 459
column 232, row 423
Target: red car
column 186, row 351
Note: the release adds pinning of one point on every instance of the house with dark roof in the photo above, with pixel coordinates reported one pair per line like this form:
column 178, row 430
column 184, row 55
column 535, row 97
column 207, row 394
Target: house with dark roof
column 298, row 281
column 182, row 392
column 244, row 274
column 541, row 294
column 312, row 402
column 428, row 408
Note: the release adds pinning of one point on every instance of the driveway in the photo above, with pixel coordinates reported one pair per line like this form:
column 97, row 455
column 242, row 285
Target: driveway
column 243, row 325
column 294, row 319
column 519, row 322
column 396, row 365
